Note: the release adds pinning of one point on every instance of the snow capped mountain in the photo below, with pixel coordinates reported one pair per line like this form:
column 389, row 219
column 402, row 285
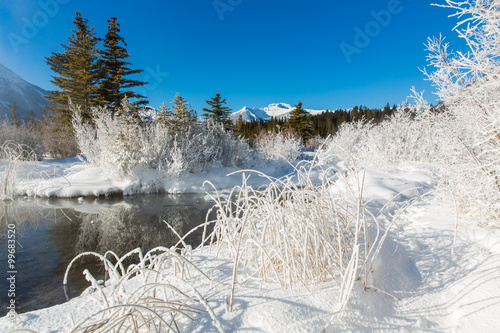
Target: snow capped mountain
column 27, row 96
column 276, row 110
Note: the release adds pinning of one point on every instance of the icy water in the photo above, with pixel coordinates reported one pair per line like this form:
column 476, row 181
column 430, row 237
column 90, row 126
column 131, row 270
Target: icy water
column 49, row 233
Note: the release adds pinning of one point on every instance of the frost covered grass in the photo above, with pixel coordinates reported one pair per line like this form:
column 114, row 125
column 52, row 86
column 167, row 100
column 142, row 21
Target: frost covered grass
column 299, row 232
column 158, row 300
column 13, row 156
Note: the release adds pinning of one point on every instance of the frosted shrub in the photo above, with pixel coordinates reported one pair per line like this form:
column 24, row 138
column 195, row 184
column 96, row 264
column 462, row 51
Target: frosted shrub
column 121, row 148
column 468, row 84
column 22, row 136
column 13, row 157
column 282, row 146
column 413, row 133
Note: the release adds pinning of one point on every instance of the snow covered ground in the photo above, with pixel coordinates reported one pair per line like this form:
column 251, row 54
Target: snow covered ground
column 436, row 272
column 73, row 178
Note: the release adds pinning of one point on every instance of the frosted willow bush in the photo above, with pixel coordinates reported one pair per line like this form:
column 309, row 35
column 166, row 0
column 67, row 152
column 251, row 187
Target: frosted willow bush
column 121, row 148
column 467, row 82
column 280, row 145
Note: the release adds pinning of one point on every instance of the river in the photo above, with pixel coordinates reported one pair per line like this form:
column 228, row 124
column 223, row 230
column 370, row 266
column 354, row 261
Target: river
column 49, row 233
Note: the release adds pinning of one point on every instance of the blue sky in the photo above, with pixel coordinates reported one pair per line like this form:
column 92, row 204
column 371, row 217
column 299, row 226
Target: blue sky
column 327, row 53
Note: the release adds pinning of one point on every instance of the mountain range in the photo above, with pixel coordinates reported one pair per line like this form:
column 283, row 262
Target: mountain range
column 27, row 96
column 275, row 110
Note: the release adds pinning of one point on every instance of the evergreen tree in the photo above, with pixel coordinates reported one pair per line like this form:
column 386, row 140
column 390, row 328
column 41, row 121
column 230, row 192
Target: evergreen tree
column 218, row 112
column 182, row 115
column 76, row 74
column 164, row 114
column 31, row 120
column 300, row 123
column 114, row 70
column 14, row 119
column 129, row 112
column 239, row 128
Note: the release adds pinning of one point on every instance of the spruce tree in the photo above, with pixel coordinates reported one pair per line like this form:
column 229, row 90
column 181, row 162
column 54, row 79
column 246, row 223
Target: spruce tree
column 76, row 75
column 31, row 120
column 114, row 70
column 217, row 112
column 14, row 119
column 164, row 114
column 300, row 123
column 182, row 114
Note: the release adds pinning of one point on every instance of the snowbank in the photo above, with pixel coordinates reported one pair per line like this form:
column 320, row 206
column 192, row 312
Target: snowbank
column 73, row 177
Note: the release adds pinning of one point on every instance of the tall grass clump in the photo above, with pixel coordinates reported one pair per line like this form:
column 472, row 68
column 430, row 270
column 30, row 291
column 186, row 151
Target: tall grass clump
column 299, row 231
column 157, row 299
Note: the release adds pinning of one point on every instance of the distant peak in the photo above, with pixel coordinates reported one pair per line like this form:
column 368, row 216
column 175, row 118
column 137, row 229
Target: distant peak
column 8, row 74
column 279, row 105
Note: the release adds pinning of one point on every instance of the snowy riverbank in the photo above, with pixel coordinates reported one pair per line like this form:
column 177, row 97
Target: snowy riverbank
column 71, row 178
column 427, row 277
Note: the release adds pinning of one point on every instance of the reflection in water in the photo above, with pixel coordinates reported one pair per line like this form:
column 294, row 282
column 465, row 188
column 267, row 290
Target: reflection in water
column 51, row 232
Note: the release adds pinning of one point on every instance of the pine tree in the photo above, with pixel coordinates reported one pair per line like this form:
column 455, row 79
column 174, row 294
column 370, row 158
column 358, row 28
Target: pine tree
column 114, row 70
column 300, row 123
column 182, row 115
column 31, row 120
column 14, row 119
column 164, row 114
column 217, row 112
column 76, row 75
column 239, row 127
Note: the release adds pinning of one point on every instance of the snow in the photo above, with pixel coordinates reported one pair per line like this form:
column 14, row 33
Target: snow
column 13, row 88
column 276, row 110
column 72, row 178
column 436, row 271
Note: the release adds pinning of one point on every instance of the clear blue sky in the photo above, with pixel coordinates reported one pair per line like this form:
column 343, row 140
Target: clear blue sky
column 255, row 52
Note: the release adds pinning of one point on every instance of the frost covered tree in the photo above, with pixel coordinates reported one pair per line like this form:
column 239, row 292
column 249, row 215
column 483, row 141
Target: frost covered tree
column 114, row 71
column 218, row 112
column 468, row 84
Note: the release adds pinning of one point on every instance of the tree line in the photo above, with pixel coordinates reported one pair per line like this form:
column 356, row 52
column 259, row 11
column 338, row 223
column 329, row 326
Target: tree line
column 307, row 126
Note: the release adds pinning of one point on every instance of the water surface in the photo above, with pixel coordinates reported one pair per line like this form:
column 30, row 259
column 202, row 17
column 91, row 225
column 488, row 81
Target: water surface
column 51, row 232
